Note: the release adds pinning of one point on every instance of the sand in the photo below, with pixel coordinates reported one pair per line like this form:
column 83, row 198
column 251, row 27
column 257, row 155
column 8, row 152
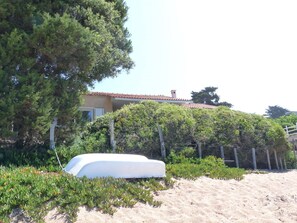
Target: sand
column 262, row 198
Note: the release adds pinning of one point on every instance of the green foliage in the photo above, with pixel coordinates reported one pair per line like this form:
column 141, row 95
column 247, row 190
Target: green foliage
column 209, row 96
column 225, row 127
column 210, row 166
column 33, row 111
column 38, row 192
column 177, row 125
column 38, row 157
column 136, row 130
column 287, row 120
column 187, row 155
column 50, row 52
column 276, row 111
column 291, row 160
column 246, row 130
column 45, row 159
column 204, row 125
column 188, row 152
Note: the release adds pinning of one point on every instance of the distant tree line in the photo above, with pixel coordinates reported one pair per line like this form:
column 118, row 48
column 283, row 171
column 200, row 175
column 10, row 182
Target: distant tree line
column 209, row 96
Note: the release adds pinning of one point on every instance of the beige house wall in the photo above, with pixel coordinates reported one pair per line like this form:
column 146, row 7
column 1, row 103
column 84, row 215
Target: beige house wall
column 97, row 102
column 96, row 105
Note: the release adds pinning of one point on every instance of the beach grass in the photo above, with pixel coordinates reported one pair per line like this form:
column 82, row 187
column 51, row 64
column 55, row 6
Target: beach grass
column 36, row 192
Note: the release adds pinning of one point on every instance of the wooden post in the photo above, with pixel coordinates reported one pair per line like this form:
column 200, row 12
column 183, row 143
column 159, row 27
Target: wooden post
column 285, row 163
column 287, row 130
column 254, row 158
column 222, row 153
column 52, row 133
column 276, row 160
column 294, row 151
column 268, row 159
column 295, row 156
column 236, row 157
column 111, row 131
column 163, row 150
column 281, row 163
column 200, row 150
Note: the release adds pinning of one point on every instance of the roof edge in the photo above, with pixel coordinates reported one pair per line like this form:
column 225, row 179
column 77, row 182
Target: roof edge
column 137, row 96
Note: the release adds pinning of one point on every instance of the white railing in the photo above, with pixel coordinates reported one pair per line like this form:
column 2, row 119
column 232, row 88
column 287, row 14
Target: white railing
column 290, row 130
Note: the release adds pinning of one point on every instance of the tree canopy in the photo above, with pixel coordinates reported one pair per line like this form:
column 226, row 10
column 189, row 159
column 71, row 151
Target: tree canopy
column 50, row 52
column 276, row 111
column 208, row 96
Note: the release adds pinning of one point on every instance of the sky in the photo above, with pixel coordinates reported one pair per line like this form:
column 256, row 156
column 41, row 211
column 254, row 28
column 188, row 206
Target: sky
column 247, row 49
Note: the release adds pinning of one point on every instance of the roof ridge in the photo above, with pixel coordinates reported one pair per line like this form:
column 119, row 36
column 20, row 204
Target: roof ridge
column 137, row 96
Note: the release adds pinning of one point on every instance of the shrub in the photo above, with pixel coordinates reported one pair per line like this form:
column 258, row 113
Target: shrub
column 136, row 131
column 225, row 127
column 177, row 125
column 287, row 120
column 209, row 166
column 187, row 155
column 291, row 160
column 204, row 125
column 37, row 192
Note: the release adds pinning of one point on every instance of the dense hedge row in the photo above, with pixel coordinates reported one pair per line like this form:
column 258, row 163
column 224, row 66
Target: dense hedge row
column 136, row 129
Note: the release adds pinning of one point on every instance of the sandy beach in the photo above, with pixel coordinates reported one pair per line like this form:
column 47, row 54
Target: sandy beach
column 262, row 198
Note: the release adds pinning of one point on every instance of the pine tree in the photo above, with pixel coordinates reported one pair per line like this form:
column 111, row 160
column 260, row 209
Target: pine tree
column 50, row 52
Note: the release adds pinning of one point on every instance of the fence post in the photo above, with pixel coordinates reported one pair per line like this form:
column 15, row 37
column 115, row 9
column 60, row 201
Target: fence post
column 287, row 130
column 281, row 163
column 268, row 159
column 254, row 158
column 163, row 150
column 294, row 151
column 236, row 157
column 111, row 131
column 198, row 144
column 52, row 133
column 222, row 153
column 276, row 160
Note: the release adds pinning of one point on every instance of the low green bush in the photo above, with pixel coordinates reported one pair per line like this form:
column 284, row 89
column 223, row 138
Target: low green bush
column 210, row 166
column 287, row 120
column 42, row 158
column 291, row 160
column 23, row 157
column 187, row 155
column 37, row 192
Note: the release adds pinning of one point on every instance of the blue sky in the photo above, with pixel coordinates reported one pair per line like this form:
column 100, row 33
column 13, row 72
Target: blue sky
column 248, row 49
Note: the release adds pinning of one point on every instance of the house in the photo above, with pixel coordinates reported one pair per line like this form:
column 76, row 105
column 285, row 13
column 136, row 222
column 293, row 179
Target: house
column 96, row 104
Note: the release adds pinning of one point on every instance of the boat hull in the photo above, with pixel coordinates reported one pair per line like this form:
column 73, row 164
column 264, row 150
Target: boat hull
column 98, row 165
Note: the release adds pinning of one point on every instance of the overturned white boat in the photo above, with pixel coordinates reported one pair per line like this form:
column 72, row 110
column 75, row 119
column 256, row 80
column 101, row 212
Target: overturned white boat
column 94, row 165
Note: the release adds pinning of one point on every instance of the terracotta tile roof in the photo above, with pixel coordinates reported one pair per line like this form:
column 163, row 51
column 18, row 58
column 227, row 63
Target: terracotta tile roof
column 138, row 96
column 194, row 105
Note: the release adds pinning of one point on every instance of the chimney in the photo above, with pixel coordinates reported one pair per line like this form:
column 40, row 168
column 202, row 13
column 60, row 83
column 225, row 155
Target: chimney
column 173, row 93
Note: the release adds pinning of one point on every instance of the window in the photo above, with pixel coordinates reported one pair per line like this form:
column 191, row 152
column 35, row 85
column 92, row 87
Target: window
column 89, row 114
column 99, row 112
